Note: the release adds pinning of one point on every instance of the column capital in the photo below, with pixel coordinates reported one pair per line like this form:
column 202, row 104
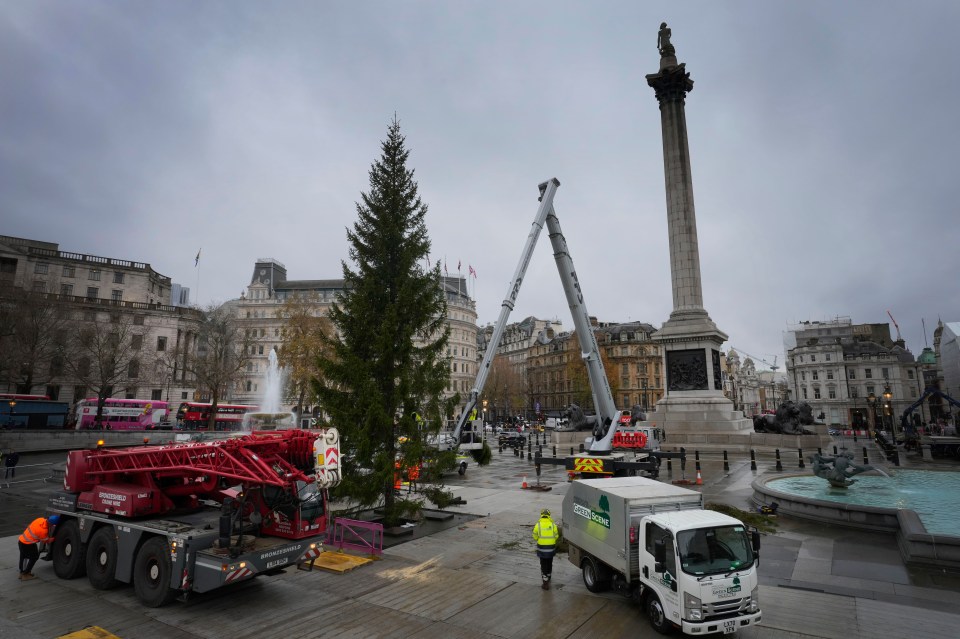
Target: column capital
column 671, row 84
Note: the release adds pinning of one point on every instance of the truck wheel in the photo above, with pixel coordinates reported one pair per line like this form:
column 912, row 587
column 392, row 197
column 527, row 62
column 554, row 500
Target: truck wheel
column 151, row 574
column 69, row 553
column 656, row 615
column 102, row 559
column 595, row 577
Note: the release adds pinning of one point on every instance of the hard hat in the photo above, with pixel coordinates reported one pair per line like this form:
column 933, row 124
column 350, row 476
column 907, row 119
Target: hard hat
column 545, row 513
column 53, row 520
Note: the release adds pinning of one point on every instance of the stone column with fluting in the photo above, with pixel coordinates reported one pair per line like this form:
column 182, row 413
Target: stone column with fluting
column 694, row 400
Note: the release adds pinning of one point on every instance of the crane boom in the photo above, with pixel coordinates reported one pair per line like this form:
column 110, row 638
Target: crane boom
column 897, row 326
column 607, row 414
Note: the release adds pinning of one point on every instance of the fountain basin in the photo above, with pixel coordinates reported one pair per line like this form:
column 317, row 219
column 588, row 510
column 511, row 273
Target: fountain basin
column 921, row 507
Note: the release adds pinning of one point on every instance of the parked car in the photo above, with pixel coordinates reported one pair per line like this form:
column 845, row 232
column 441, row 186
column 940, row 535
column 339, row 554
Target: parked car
column 511, row 439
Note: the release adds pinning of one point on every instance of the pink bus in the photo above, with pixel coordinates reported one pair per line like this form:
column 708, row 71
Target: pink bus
column 122, row 414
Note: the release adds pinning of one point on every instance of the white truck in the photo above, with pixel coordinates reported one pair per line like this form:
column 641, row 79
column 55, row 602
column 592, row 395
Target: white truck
column 687, row 567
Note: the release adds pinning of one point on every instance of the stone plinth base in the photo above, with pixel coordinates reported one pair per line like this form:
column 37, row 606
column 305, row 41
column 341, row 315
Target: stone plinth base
column 700, row 413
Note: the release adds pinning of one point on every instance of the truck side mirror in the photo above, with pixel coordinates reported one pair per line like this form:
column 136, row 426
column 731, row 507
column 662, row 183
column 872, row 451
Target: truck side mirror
column 755, row 540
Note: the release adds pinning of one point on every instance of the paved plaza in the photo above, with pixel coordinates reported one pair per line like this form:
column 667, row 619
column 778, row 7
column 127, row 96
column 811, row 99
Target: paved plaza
column 480, row 579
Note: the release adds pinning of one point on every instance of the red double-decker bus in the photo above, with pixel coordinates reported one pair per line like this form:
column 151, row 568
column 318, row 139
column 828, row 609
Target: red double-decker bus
column 196, row 415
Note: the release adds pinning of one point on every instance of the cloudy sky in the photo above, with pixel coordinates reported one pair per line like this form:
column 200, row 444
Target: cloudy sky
column 823, row 137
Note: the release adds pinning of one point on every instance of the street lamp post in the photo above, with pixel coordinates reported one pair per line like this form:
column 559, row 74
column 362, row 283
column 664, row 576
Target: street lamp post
column 13, row 404
column 888, row 411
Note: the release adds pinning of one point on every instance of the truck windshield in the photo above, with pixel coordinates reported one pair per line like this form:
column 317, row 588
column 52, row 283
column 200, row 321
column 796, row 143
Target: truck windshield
column 708, row 551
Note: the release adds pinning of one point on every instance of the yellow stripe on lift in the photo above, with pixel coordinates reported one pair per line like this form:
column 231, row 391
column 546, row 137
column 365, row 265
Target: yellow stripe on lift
column 588, row 465
column 90, row 632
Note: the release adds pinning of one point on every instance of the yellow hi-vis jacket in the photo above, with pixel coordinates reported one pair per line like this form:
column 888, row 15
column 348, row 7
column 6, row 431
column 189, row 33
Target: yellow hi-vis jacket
column 545, row 532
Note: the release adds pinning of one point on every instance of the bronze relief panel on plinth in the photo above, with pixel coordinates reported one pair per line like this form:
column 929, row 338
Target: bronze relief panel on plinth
column 687, row 370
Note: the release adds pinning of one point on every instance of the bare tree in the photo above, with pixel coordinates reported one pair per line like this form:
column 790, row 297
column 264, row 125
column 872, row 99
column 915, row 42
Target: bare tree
column 304, row 331
column 505, row 387
column 33, row 327
column 223, row 351
column 104, row 353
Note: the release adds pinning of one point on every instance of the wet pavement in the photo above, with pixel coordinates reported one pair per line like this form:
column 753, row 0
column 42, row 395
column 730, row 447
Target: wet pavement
column 475, row 576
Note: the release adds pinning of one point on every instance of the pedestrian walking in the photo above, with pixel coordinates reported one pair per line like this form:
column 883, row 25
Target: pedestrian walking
column 10, row 461
column 40, row 531
column 546, row 534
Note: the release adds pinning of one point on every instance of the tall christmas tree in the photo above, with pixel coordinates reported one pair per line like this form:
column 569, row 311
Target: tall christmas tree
column 383, row 385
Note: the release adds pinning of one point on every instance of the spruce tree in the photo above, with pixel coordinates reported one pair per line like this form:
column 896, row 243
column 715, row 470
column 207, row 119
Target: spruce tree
column 383, row 384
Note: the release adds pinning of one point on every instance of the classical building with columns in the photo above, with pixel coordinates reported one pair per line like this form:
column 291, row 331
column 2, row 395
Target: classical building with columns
column 259, row 313
column 105, row 290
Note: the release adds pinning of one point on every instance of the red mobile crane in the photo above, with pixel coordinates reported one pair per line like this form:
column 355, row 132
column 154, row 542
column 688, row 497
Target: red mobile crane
column 192, row 517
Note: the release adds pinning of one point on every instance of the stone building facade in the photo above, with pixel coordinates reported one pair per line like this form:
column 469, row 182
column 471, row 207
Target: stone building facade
column 259, row 313
column 852, row 374
column 105, row 289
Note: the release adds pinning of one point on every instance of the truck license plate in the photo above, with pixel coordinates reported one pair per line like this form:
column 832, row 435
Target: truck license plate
column 729, row 627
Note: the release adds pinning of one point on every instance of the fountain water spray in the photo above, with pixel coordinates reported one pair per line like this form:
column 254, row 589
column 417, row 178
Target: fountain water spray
column 271, row 416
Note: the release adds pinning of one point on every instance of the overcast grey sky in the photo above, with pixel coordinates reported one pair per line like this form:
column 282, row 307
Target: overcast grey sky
column 823, row 137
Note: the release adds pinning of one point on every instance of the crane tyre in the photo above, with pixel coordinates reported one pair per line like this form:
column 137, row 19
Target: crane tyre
column 152, row 571
column 101, row 560
column 595, row 576
column 657, row 615
column 69, row 553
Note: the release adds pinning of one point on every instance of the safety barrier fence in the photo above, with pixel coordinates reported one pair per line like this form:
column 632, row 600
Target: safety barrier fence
column 353, row 534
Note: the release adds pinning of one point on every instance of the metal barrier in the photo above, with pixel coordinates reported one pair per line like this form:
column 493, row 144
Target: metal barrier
column 353, row 534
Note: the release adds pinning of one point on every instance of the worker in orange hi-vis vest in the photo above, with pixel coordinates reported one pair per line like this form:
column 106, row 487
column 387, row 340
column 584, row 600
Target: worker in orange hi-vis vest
column 40, row 531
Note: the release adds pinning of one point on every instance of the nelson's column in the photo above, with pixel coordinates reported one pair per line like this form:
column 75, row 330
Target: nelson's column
column 694, row 403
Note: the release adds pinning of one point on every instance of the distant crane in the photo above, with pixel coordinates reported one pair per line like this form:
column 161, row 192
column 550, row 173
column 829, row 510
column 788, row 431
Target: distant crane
column 897, row 326
column 772, row 366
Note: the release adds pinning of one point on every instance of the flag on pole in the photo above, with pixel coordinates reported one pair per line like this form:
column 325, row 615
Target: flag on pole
column 196, row 260
column 472, row 272
column 458, row 266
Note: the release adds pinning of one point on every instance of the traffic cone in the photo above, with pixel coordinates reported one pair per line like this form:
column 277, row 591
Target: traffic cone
column 699, row 479
column 524, row 485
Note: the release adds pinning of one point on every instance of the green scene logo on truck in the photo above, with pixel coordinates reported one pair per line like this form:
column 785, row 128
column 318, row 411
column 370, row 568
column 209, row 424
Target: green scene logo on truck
column 727, row 591
column 582, row 509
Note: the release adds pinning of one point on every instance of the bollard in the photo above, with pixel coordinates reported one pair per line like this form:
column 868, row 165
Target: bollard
column 854, row 436
column 866, row 460
column 819, row 451
column 683, row 462
column 522, row 453
column 696, row 455
column 726, row 462
column 581, row 448
column 530, row 445
column 670, row 465
column 516, row 451
column 779, row 463
column 698, row 466
column 753, row 459
column 896, row 456
column 800, row 457
column 571, row 450
column 834, row 451
column 501, row 449
column 554, row 450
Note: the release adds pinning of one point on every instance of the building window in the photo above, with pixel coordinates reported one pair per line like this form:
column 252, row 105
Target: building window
column 813, row 358
column 830, row 374
column 39, row 286
column 805, row 392
column 136, row 342
column 93, row 292
column 816, row 392
column 852, row 374
column 162, row 343
column 41, row 268
column 66, row 289
column 133, row 370
column 117, row 277
column 249, row 386
column 53, row 392
column 156, row 394
column 909, row 373
column 871, row 390
column 69, row 271
column 131, row 393
column 885, row 372
column 803, row 376
column 816, row 375
column 827, row 356
column 868, row 373
column 95, row 274
column 832, row 393
column 260, row 350
column 183, row 395
column 138, row 320
column 116, row 295
column 854, row 393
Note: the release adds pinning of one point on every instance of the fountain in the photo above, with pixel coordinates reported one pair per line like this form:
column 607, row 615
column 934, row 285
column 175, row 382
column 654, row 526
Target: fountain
column 271, row 416
column 921, row 507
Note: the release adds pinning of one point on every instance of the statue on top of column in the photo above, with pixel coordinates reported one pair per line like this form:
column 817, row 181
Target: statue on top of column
column 663, row 41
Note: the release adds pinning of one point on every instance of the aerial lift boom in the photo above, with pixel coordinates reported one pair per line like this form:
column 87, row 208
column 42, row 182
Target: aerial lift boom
column 607, row 413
